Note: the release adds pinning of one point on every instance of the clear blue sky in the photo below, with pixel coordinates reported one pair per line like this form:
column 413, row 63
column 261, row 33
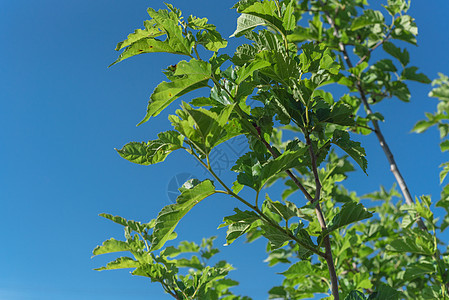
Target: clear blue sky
column 62, row 113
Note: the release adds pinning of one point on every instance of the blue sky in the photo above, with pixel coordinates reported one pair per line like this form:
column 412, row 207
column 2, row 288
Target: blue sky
column 62, row 113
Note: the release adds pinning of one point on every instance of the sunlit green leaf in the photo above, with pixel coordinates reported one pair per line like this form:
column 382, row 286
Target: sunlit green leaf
column 120, row 263
column 190, row 76
column 351, row 212
column 192, row 193
column 154, row 151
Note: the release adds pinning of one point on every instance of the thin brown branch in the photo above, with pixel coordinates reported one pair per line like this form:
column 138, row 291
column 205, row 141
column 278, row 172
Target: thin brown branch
column 322, row 221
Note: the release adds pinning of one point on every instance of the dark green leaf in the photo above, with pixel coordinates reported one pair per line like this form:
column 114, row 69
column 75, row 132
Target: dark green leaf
column 355, row 295
column 402, row 55
column 410, row 74
column 342, row 140
column 238, row 224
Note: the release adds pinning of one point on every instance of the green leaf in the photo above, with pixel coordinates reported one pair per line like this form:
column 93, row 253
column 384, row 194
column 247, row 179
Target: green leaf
column 154, row 151
column 422, row 126
column 357, row 71
column 163, row 21
column 192, row 192
column 286, row 211
column 303, row 269
column 419, row 269
column 238, row 224
column 289, row 20
column 282, row 67
column 369, row 17
column 205, row 128
column 413, row 242
column 188, row 76
column 444, row 145
column 400, row 90
column 110, row 246
column 255, row 175
column 151, row 31
column 342, row 140
column 276, row 237
column 136, row 226
column 351, row 212
column 444, row 172
column 402, row 55
column 355, row 295
column 385, row 292
column 208, row 36
column 248, row 70
column 120, row 263
column 410, row 74
column 259, row 14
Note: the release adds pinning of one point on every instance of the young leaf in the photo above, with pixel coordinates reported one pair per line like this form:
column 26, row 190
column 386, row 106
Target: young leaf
column 259, row 14
column 154, row 151
column 165, row 22
column 192, row 193
column 189, row 76
column 136, row 226
column 120, row 263
column 110, row 246
column 342, row 140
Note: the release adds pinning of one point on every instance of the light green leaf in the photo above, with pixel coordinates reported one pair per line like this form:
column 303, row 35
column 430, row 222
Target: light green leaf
column 151, row 31
column 443, row 173
column 189, row 76
column 110, row 246
column 154, row 151
column 167, row 23
column 369, row 17
column 342, row 140
column 136, row 226
column 413, row 242
column 303, row 268
column 259, row 14
column 192, row 193
column 248, row 70
column 120, row 263
column 208, row 36
column 289, row 20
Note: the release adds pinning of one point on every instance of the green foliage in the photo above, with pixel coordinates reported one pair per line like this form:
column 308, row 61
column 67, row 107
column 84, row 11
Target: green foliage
column 331, row 244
